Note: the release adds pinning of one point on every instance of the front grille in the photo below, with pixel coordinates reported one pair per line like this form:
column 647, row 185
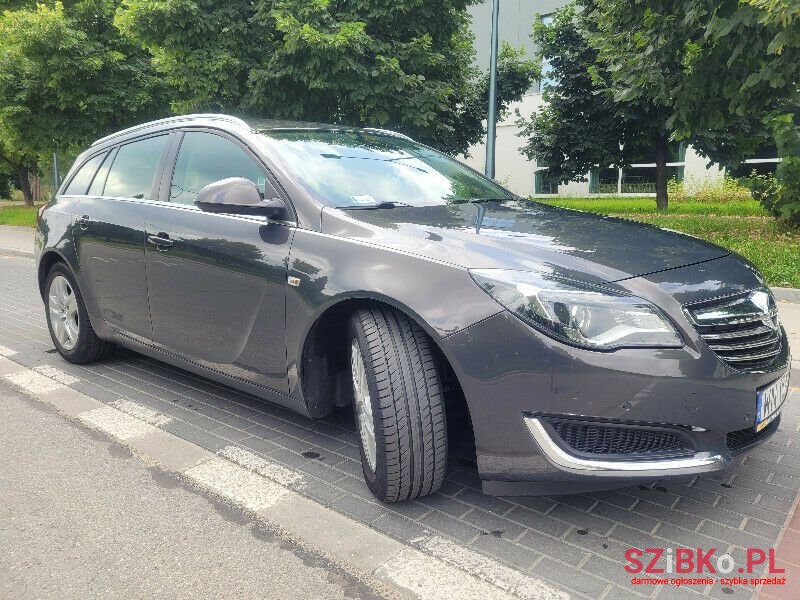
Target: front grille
column 743, row 330
column 742, row 438
column 605, row 439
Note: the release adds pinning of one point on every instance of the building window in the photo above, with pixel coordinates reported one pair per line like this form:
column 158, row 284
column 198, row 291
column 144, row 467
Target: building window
column 764, row 162
column 547, row 79
column 604, row 181
column 543, row 183
column 640, row 176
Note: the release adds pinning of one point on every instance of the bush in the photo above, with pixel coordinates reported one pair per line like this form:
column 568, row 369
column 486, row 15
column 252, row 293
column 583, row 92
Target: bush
column 780, row 194
column 708, row 190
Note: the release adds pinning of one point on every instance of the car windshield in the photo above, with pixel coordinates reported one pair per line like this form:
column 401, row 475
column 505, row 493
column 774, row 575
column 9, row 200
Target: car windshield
column 362, row 169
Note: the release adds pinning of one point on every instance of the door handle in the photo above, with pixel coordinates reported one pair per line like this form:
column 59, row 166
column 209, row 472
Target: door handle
column 84, row 222
column 161, row 241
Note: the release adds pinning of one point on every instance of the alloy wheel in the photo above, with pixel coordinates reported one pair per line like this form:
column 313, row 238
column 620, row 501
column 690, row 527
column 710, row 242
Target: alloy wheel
column 64, row 317
column 363, row 405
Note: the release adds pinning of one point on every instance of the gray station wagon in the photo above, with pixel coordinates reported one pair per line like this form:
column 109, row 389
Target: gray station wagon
column 320, row 266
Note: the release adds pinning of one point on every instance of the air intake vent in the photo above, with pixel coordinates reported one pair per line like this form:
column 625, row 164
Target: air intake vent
column 743, row 330
column 743, row 438
column 608, row 439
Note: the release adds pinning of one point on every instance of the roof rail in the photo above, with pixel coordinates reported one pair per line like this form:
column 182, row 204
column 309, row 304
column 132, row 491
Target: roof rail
column 176, row 119
column 396, row 134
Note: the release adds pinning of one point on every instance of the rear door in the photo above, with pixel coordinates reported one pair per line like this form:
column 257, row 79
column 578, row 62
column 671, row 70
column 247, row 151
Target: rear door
column 110, row 235
column 217, row 282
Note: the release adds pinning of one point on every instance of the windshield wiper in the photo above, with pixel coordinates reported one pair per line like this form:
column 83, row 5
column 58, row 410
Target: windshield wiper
column 384, row 204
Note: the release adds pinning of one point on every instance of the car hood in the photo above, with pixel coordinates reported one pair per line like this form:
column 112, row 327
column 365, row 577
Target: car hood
column 524, row 236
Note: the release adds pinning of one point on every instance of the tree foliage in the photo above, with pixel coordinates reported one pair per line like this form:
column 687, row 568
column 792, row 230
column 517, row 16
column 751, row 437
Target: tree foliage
column 405, row 65
column 726, row 71
column 66, row 76
column 582, row 125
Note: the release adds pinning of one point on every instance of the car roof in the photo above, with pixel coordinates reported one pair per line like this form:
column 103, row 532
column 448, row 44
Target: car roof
column 232, row 123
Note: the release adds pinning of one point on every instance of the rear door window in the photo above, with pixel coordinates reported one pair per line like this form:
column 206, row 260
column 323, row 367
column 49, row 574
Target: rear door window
column 134, row 168
column 205, row 158
column 83, row 177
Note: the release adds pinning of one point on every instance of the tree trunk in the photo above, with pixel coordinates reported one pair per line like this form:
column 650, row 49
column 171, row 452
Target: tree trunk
column 661, row 172
column 23, row 177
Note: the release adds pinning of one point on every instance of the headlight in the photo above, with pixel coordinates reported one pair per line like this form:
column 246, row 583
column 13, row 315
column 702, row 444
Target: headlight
column 579, row 314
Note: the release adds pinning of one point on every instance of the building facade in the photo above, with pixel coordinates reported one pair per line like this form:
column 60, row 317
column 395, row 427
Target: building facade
column 525, row 177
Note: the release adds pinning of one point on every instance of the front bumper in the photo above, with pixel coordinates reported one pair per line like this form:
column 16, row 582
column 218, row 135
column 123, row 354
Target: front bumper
column 512, row 374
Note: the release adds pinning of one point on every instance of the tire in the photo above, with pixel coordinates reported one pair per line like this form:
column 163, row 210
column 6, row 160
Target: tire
column 83, row 346
column 405, row 396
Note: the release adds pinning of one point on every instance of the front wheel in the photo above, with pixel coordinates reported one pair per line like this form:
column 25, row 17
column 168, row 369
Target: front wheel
column 398, row 405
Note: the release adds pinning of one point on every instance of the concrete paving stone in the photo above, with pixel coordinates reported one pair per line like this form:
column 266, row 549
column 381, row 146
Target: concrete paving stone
column 596, row 544
column 610, row 570
column 198, row 436
column 505, row 551
column 492, row 504
column 620, row 499
column 412, row 509
column 358, row 508
column 496, row 526
column 400, row 527
column 445, row 504
column 713, row 513
column 538, row 522
column 540, row 504
column 630, row 518
column 576, row 501
column 449, row 526
column 570, row 578
column 734, row 536
column 582, row 520
column 553, row 548
column 773, row 502
column 685, row 537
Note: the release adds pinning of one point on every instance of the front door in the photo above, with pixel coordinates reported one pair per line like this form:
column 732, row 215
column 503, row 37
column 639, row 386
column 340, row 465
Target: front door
column 217, row 282
column 110, row 235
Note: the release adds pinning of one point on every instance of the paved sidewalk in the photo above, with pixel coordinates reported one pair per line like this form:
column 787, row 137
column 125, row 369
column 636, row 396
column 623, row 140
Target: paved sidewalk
column 16, row 240
column 576, row 542
column 82, row 518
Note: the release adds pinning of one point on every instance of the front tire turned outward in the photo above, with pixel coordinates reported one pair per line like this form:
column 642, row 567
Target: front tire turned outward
column 68, row 321
column 398, row 405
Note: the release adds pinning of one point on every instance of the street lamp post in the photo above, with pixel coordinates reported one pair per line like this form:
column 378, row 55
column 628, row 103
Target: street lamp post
column 491, row 125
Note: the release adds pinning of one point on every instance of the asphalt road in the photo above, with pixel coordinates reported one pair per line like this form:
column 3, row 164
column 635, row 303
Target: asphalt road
column 80, row 517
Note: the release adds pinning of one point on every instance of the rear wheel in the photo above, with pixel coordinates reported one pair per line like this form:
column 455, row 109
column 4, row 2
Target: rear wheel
column 68, row 321
column 398, row 405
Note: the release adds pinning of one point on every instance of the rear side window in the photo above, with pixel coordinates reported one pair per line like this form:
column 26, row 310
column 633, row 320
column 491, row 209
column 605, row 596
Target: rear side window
column 205, row 158
column 83, row 177
column 134, row 168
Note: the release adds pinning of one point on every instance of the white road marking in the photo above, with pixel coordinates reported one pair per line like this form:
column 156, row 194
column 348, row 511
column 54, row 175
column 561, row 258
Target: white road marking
column 7, row 351
column 431, row 579
column 270, row 470
column 56, row 374
column 490, row 571
column 148, row 415
column 243, row 487
column 33, row 382
column 116, row 423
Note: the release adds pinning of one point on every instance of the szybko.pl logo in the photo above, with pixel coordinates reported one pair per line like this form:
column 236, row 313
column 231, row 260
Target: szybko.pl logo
column 691, row 562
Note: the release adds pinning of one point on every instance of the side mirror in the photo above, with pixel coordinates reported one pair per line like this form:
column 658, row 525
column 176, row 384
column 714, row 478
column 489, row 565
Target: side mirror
column 238, row 196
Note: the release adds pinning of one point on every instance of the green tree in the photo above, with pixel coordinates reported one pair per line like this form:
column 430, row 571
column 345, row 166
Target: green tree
column 725, row 71
column 582, row 125
column 405, row 65
column 66, row 77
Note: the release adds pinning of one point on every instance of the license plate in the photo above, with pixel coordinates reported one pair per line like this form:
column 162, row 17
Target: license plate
column 770, row 400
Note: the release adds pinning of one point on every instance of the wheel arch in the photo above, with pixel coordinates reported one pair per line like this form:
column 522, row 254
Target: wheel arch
column 323, row 359
column 48, row 259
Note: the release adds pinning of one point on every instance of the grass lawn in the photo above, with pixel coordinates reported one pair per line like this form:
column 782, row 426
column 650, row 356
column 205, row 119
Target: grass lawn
column 741, row 226
column 24, row 216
